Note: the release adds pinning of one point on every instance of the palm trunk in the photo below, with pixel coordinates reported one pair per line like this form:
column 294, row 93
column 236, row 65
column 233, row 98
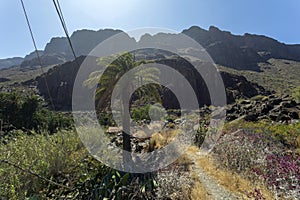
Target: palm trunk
column 126, row 119
column 127, row 159
column 126, row 132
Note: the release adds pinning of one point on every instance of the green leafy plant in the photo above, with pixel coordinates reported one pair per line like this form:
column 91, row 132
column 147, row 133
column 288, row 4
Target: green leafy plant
column 106, row 80
column 140, row 113
column 26, row 112
column 119, row 185
column 296, row 94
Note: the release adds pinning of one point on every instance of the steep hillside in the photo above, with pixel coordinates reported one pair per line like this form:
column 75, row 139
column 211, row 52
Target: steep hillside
column 61, row 78
column 278, row 75
column 17, row 74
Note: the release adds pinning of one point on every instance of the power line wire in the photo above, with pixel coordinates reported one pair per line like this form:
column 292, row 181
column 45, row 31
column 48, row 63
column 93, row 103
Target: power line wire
column 37, row 53
column 63, row 23
column 29, row 171
column 62, row 16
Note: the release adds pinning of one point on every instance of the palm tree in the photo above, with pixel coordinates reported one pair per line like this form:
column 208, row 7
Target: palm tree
column 109, row 78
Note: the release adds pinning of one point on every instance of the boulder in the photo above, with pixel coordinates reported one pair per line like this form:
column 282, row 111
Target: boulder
column 294, row 115
column 251, row 117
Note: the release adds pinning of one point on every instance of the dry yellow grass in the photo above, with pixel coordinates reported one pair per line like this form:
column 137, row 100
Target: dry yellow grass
column 185, row 161
column 229, row 180
column 198, row 192
column 298, row 141
column 161, row 139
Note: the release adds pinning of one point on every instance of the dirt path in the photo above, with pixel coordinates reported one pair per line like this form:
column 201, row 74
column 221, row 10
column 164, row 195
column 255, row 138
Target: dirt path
column 213, row 188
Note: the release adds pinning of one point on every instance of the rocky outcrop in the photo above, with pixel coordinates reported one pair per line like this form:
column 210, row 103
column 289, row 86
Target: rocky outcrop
column 33, row 55
column 238, row 87
column 280, row 109
column 4, row 80
column 83, row 42
column 58, row 50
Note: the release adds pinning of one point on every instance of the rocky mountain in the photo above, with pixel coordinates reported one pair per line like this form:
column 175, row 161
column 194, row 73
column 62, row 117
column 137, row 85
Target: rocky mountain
column 58, row 51
column 83, row 42
column 16, row 61
column 239, row 52
column 60, row 81
column 9, row 62
column 46, row 60
column 242, row 52
column 33, row 55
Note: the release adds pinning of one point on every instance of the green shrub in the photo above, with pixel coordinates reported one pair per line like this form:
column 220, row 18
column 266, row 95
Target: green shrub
column 200, row 135
column 106, row 119
column 149, row 112
column 140, row 113
column 119, row 185
column 296, row 94
column 59, row 157
column 26, row 112
column 50, row 121
column 284, row 133
column 17, row 109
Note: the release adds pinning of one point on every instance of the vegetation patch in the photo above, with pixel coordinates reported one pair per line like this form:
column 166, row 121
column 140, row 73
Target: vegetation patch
column 262, row 151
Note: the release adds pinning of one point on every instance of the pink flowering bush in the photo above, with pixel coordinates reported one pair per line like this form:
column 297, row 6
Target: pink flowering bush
column 282, row 173
column 257, row 155
column 256, row 194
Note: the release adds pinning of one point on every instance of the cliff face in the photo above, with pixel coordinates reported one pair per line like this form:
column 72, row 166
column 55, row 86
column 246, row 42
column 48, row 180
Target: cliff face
column 83, row 42
column 60, row 81
column 58, row 50
column 236, row 86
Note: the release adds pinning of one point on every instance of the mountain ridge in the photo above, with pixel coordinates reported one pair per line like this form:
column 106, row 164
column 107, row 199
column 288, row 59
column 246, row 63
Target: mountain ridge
column 242, row 52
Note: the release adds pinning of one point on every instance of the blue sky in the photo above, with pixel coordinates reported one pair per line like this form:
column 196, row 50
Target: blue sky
column 275, row 18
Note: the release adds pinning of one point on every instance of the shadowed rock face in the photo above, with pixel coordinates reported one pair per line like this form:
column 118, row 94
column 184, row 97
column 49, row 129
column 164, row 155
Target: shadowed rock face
column 4, row 80
column 60, row 81
column 236, row 86
column 61, row 78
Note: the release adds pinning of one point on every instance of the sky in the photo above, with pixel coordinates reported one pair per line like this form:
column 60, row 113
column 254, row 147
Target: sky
column 274, row 18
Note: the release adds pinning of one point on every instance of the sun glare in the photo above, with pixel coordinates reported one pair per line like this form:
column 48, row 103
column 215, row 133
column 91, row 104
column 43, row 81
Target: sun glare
column 105, row 11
